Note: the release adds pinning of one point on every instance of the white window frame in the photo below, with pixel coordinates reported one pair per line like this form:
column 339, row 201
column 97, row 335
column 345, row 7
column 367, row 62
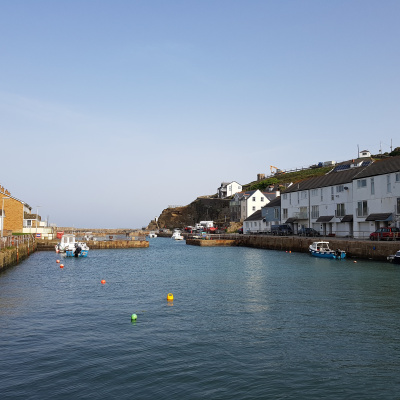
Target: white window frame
column 361, row 183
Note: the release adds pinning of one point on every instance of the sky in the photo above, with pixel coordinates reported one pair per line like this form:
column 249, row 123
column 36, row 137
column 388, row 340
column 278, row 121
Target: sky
column 112, row 110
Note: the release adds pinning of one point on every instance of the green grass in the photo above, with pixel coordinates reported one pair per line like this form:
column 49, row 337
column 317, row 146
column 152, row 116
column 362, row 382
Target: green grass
column 283, row 178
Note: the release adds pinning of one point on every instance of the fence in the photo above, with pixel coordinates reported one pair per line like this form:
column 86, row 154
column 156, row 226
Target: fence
column 15, row 241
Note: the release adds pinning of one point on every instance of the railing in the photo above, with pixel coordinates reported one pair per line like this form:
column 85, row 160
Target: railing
column 357, row 235
column 15, row 241
column 300, row 215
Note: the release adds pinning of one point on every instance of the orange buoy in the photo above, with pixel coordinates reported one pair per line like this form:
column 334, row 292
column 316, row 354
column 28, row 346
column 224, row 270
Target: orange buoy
column 61, row 265
column 57, row 261
column 170, row 296
column 103, row 281
column 290, row 251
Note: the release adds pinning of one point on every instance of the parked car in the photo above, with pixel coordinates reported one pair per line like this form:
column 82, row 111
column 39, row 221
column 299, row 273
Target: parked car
column 308, row 232
column 387, row 233
column 281, row 230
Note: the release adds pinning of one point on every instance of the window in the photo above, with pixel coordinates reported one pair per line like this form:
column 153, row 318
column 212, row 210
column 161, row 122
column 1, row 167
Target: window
column 298, row 197
column 372, row 186
column 254, row 199
column 340, row 210
column 303, row 212
column 362, row 209
column 361, row 183
column 332, row 195
column 290, row 198
column 262, row 198
column 29, row 222
column 322, row 195
column 284, row 196
column 285, row 213
column 388, row 185
column 304, row 194
column 398, row 205
column 314, row 211
column 254, row 208
column 314, row 192
column 276, row 213
column 397, row 176
column 339, row 188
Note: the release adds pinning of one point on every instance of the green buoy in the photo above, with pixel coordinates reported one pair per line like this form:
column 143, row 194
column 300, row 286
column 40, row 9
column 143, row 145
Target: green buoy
column 133, row 317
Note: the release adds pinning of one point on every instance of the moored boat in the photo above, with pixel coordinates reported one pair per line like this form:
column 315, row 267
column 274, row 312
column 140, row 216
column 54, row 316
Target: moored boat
column 152, row 234
column 71, row 247
column 321, row 249
column 395, row 259
column 177, row 235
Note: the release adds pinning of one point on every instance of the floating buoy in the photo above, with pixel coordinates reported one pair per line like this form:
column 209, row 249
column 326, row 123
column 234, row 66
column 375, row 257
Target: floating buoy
column 61, row 265
column 133, row 317
column 103, row 281
column 290, row 251
column 57, row 261
column 355, row 261
column 170, row 296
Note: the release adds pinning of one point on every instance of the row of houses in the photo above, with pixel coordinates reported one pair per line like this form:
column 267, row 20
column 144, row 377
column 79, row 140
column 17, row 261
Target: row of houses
column 16, row 217
column 354, row 199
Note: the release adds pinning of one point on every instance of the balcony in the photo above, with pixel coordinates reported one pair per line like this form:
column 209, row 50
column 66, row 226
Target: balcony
column 360, row 213
column 340, row 213
column 300, row 215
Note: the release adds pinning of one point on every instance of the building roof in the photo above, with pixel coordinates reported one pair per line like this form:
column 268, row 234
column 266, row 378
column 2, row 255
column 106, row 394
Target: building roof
column 274, row 202
column 325, row 218
column 379, row 217
column 345, row 173
column 256, row 216
column 347, row 218
column 381, row 167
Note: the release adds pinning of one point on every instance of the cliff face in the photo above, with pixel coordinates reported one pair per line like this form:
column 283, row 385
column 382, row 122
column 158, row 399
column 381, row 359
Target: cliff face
column 202, row 209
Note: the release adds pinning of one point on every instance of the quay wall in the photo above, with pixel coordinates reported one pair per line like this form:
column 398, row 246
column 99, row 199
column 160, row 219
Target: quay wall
column 211, row 243
column 49, row 245
column 363, row 249
column 12, row 256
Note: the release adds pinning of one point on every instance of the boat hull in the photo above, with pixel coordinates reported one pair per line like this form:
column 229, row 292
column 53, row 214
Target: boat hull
column 71, row 253
column 328, row 254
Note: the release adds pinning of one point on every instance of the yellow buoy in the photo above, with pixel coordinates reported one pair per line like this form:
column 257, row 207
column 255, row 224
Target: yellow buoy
column 170, row 296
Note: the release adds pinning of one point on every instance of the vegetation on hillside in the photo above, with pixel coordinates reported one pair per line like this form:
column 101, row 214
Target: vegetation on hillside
column 285, row 178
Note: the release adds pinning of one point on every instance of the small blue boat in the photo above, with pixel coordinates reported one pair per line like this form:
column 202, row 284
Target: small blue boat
column 77, row 252
column 322, row 250
column 71, row 247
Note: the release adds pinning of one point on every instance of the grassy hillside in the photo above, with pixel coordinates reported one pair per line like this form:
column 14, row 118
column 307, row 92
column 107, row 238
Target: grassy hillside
column 285, row 178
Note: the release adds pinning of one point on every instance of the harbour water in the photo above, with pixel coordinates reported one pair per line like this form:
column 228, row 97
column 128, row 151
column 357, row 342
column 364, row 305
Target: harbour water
column 244, row 324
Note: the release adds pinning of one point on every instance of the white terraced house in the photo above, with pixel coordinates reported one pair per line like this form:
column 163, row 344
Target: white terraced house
column 247, row 203
column 352, row 200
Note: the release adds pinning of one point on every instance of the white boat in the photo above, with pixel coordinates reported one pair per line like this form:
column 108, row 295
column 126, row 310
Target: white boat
column 321, row 249
column 177, row 235
column 395, row 258
column 71, row 247
column 152, row 234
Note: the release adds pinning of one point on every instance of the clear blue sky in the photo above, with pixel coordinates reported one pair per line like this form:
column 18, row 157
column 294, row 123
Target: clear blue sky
column 112, row 110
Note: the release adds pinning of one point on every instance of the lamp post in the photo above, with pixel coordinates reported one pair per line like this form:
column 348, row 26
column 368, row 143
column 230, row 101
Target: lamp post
column 2, row 216
column 37, row 211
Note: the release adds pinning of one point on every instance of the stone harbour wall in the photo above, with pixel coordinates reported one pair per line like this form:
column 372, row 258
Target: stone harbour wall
column 49, row 245
column 12, row 256
column 362, row 249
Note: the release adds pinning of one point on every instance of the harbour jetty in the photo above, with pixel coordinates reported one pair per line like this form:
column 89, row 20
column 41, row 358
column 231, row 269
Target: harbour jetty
column 49, row 245
column 362, row 249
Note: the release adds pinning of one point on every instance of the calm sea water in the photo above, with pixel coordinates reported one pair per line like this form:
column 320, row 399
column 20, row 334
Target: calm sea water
column 244, row 324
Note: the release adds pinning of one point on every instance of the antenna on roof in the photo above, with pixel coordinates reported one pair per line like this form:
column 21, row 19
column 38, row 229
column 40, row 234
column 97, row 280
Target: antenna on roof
column 358, row 150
